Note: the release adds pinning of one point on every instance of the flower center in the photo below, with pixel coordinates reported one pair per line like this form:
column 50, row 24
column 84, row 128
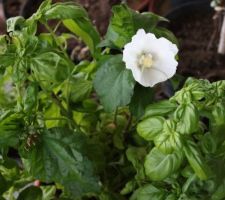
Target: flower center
column 145, row 60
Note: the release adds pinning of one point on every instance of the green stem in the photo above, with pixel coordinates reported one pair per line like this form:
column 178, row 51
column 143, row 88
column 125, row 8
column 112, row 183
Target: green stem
column 115, row 116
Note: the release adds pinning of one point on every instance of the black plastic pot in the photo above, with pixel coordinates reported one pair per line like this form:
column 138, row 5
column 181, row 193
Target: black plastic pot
column 187, row 8
column 178, row 3
column 181, row 10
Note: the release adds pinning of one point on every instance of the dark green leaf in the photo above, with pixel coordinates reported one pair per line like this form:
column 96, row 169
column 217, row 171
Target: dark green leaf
column 3, row 185
column 219, row 193
column 147, row 21
column 11, row 127
column 58, row 157
column 29, row 193
column 121, row 27
column 114, row 83
column 136, row 156
column 163, row 32
column 141, row 98
column 125, row 23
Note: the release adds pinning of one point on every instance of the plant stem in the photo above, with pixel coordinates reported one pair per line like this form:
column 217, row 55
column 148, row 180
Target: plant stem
column 115, row 116
column 221, row 47
column 65, row 112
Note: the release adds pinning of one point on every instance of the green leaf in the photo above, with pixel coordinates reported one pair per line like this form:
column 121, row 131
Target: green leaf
column 136, row 156
column 29, row 193
column 58, row 157
column 147, row 20
column 150, row 127
column 217, row 121
column 148, row 192
column 141, row 98
column 11, row 126
column 77, row 89
column 85, row 30
column 129, row 187
column 57, row 11
column 125, row 23
column 15, row 23
column 163, row 32
column 159, row 165
column 219, row 194
column 50, row 67
column 30, row 97
column 195, row 159
column 169, row 139
column 53, row 111
column 187, row 118
column 76, row 20
column 48, row 192
column 121, row 27
column 160, row 108
column 3, row 184
column 114, row 83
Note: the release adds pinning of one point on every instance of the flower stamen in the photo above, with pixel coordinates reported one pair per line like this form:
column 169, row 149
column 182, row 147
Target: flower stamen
column 145, row 60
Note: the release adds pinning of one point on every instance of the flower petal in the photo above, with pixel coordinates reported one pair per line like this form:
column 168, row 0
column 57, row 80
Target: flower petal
column 163, row 53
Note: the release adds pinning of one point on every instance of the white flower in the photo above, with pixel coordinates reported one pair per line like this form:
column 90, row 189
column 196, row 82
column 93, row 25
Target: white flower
column 151, row 60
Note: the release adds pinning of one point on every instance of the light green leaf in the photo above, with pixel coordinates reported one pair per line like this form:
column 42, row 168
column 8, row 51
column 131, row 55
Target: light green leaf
column 114, row 83
column 187, row 118
column 195, row 160
column 85, row 30
column 76, row 20
column 169, row 140
column 52, row 112
column 159, row 165
column 15, row 23
column 50, row 67
column 77, row 89
column 129, row 187
column 148, row 192
column 48, row 192
column 160, row 108
column 150, row 127
column 30, row 97
column 57, row 11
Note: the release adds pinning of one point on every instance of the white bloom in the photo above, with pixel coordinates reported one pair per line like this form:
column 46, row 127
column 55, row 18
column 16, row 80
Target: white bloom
column 151, row 60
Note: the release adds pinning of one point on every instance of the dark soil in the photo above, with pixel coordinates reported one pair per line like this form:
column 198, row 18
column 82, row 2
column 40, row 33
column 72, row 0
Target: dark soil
column 98, row 10
column 198, row 37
